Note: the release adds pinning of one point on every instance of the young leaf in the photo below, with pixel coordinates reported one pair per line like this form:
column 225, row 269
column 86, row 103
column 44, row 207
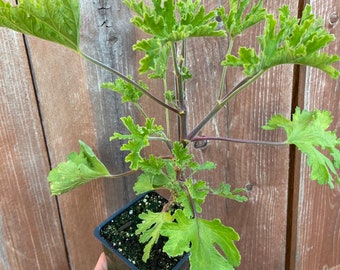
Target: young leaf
column 206, row 166
column 198, row 192
column 77, row 170
column 156, row 58
column 57, row 21
column 308, row 131
column 201, row 238
column 224, row 190
column 195, row 22
column 150, row 228
column 128, row 91
column 143, row 184
column 153, row 165
column 149, row 181
column 292, row 41
column 236, row 22
column 137, row 139
column 182, row 157
column 169, row 21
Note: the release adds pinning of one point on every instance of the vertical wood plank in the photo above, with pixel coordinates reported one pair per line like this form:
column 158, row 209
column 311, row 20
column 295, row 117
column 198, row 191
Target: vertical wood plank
column 261, row 222
column 30, row 231
column 74, row 107
column 317, row 214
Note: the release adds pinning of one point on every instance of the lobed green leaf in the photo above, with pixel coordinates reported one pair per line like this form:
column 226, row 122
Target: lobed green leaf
column 308, row 131
column 150, row 228
column 77, row 170
column 156, row 57
column 197, row 193
column 129, row 92
column 138, row 138
column 57, row 21
column 288, row 41
column 168, row 21
column 224, row 190
column 236, row 22
column 203, row 239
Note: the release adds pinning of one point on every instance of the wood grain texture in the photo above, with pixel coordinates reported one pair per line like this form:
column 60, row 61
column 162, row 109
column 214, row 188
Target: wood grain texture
column 68, row 117
column 317, row 214
column 261, row 221
column 30, row 232
column 108, row 36
column 74, row 107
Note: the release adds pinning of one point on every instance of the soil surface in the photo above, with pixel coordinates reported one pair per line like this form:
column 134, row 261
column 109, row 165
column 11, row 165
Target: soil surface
column 120, row 234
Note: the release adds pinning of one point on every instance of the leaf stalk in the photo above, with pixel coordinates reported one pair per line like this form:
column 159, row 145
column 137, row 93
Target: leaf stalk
column 116, row 72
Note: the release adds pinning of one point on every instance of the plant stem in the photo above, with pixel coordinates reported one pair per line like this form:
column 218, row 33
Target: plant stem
column 220, row 104
column 238, row 141
column 116, row 72
column 182, row 121
column 224, row 71
column 140, row 109
column 167, row 118
column 192, row 203
column 120, row 175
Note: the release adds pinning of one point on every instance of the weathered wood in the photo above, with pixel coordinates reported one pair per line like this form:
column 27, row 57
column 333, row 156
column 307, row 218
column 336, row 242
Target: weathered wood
column 261, row 222
column 74, row 107
column 316, row 223
column 30, row 231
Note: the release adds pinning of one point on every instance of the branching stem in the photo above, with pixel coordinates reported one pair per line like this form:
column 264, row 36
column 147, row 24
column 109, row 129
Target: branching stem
column 224, row 71
column 182, row 117
column 120, row 175
column 116, row 72
column 219, row 105
column 238, row 141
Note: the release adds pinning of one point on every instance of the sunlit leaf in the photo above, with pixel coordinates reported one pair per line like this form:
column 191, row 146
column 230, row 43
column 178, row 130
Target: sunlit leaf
column 204, row 240
column 308, row 131
column 54, row 20
column 288, row 41
column 77, row 170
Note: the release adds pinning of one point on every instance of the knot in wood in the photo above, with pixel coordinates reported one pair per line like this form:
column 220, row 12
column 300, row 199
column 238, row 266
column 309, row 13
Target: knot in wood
column 333, row 19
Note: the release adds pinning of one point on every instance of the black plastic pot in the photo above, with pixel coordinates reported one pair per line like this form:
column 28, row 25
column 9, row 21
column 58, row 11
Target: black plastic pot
column 121, row 245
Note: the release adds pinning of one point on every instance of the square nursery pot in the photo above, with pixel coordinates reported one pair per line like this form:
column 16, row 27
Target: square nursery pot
column 121, row 245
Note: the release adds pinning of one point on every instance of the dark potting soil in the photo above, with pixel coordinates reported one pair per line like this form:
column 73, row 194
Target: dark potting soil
column 120, row 234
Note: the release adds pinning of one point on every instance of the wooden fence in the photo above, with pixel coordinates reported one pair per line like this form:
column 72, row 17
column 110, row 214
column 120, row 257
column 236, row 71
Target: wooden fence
column 50, row 98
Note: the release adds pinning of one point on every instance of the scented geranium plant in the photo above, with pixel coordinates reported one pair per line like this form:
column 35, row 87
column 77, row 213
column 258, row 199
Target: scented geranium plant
column 168, row 24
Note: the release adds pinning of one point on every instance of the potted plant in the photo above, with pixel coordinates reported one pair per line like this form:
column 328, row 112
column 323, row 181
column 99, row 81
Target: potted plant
column 179, row 221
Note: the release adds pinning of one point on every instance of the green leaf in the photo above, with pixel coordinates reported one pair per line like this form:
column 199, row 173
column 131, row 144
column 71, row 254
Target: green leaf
column 224, row 190
column 206, row 166
column 77, row 170
column 197, row 192
column 57, row 21
column 308, row 131
column 204, row 240
column 143, row 184
column 150, row 228
column 156, row 56
column 147, row 182
column 181, row 155
column 195, row 22
column 129, row 92
column 153, row 165
column 138, row 138
column 236, row 22
column 174, row 20
column 292, row 41
column 169, row 21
